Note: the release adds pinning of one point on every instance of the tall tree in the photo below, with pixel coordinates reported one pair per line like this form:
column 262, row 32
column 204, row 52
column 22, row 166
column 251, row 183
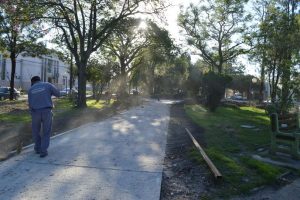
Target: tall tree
column 19, row 32
column 99, row 74
column 291, row 49
column 215, row 27
column 160, row 51
column 280, row 49
column 259, row 38
column 86, row 24
column 126, row 44
column 138, row 50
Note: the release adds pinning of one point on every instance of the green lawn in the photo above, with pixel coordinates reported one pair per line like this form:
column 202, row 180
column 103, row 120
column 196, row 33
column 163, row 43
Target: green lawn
column 230, row 146
column 17, row 111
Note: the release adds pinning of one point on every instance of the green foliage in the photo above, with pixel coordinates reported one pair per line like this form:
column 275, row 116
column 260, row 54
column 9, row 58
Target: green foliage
column 126, row 44
column 156, row 59
column 243, row 84
column 100, row 74
column 213, row 89
column 171, row 79
column 84, row 26
column 272, row 108
column 212, row 28
column 19, row 28
column 277, row 48
column 194, row 80
column 19, row 32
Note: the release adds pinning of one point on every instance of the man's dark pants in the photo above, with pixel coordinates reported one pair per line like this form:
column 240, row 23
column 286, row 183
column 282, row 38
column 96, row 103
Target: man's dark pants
column 41, row 118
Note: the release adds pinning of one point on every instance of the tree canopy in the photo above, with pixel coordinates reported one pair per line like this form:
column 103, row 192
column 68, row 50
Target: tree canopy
column 215, row 29
column 85, row 25
column 19, row 32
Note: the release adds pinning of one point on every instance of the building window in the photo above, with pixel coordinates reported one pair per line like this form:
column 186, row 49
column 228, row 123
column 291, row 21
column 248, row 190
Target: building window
column 51, row 70
column 56, row 72
column 49, row 66
column 65, row 79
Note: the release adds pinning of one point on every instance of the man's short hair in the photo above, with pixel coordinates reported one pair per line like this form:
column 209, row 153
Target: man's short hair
column 35, row 79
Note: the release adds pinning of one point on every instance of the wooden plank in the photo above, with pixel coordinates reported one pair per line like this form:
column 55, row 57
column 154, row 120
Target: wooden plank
column 210, row 164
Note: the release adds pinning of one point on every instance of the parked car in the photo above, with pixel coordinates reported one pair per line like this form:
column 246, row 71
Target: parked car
column 134, row 92
column 237, row 98
column 4, row 93
column 66, row 91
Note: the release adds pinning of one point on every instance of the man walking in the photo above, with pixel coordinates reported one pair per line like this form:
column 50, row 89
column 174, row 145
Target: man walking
column 40, row 105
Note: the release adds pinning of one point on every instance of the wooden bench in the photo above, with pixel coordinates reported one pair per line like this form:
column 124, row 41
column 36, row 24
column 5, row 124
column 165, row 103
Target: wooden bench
column 285, row 136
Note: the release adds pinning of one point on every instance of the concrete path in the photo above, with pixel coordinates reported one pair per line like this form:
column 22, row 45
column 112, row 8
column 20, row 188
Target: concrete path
column 119, row 158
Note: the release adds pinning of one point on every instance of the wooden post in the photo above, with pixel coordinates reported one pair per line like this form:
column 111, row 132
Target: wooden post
column 210, row 164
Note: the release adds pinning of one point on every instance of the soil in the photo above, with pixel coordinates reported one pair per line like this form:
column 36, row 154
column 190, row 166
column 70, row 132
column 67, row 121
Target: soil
column 183, row 177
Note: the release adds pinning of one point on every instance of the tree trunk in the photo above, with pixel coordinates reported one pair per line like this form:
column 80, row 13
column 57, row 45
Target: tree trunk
column 71, row 73
column 81, row 101
column 152, row 82
column 94, row 89
column 123, row 79
column 286, row 76
column 262, row 83
column 12, row 75
column 262, row 74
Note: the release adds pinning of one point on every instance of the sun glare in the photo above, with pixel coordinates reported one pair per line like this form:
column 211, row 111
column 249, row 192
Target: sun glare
column 143, row 25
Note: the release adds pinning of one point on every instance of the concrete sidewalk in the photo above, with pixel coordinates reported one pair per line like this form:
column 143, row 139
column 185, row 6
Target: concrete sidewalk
column 119, row 158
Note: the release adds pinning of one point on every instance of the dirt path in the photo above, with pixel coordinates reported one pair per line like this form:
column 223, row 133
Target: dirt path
column 183, row 178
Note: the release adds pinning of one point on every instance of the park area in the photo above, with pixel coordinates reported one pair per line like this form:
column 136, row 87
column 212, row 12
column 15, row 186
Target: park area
column 15, row 120
column 152, row 99
column 230, row 136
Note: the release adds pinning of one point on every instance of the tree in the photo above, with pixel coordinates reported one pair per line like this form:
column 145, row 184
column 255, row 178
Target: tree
column 174, row 76
column 156, row 56
column 243, row 84
column 213, row 89
column 126, row 44
column 215, row 29
column 291, row 48
column 195, row 73
column 280, row 49
column 259, row 38
column 86, row 25
column 19, row 32
column 99, row 74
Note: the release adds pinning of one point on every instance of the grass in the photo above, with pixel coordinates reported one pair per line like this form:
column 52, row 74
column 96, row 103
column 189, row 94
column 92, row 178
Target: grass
column 17, row 111
column 230, row 146
column 15, row 118
column 94, row 104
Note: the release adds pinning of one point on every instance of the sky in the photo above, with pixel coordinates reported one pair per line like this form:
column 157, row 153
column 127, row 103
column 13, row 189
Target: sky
column 171, row 16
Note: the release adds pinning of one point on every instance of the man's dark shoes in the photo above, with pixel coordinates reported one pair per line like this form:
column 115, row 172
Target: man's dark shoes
column 37, row 152
column 42, row 155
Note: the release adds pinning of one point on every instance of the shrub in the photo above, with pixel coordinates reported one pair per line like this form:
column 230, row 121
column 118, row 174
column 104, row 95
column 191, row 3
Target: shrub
column 213, row 89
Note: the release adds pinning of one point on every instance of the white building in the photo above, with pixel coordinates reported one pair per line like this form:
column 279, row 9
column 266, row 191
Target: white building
column 49, row 68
